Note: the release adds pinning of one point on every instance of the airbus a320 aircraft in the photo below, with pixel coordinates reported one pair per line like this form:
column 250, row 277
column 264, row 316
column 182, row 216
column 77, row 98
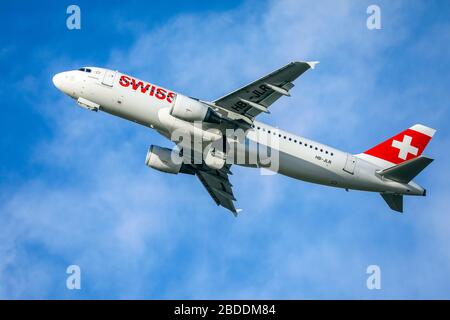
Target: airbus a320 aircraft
column 210, row 136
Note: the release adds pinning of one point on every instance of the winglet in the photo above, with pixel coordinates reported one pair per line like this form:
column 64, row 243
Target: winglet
column 312, row 64
column 236, row 212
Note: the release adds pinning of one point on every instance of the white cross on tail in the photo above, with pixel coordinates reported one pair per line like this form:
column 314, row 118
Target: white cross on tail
column 405, row 147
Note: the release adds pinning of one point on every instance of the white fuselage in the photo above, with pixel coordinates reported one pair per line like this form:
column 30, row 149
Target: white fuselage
column 298, row 157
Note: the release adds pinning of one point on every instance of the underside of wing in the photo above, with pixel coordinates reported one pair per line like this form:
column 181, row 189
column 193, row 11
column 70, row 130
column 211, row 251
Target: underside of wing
column 219, row 187
column 238, row 109
column 258, row 96
column 215, row 181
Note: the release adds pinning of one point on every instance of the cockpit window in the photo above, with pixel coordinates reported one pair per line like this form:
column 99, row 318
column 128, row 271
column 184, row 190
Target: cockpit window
column 85, row 69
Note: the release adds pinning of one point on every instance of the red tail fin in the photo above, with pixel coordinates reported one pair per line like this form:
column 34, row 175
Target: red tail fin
column 404, row 146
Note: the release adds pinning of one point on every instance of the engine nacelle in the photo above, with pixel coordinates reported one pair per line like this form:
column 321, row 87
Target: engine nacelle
column 163, row 159
column 215, row 159
column 192, row 110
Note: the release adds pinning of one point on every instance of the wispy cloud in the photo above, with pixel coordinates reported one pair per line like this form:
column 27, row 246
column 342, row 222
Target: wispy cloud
column 139, row 233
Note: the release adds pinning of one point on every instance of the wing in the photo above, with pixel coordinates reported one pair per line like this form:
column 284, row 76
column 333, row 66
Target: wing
column 249, row 101
column 218, row 186
column 215, row 181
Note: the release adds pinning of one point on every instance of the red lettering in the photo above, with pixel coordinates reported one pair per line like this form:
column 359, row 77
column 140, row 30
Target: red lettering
column 124, row 81
column 144, row 89
column 160, row 93
column 136, row 85
column 152, row 91
column 170, row 97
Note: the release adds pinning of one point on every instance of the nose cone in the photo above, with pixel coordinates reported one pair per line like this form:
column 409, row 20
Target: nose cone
column 58, row 81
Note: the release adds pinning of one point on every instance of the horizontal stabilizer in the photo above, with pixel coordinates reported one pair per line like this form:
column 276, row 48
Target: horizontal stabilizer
column 394, row 201
column 406, row 171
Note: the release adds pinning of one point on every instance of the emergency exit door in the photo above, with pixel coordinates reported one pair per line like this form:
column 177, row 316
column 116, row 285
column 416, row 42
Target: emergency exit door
column 350, row 164
column 108, row 78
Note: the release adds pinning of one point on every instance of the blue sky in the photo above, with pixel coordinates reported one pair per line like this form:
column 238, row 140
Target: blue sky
column 74, row 188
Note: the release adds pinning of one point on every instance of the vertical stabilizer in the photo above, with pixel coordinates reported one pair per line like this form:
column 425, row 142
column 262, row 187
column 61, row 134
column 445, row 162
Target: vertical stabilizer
column 407, row 145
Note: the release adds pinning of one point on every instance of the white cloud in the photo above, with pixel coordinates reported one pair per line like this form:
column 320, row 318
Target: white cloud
column 139, row 233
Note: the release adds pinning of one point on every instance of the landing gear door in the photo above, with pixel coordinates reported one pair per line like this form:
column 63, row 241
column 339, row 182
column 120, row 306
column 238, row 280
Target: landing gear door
column 108, row 78
column 350, row 164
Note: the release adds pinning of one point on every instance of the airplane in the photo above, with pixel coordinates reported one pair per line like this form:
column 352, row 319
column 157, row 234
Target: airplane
column 211, row 136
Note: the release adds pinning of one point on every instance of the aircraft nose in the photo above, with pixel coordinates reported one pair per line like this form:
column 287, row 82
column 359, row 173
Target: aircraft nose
column 57, row 80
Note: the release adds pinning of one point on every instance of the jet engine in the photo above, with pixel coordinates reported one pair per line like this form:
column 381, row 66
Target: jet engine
column 215, row 159
column 163, row 159
column 167, row 160
column 193, row 110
